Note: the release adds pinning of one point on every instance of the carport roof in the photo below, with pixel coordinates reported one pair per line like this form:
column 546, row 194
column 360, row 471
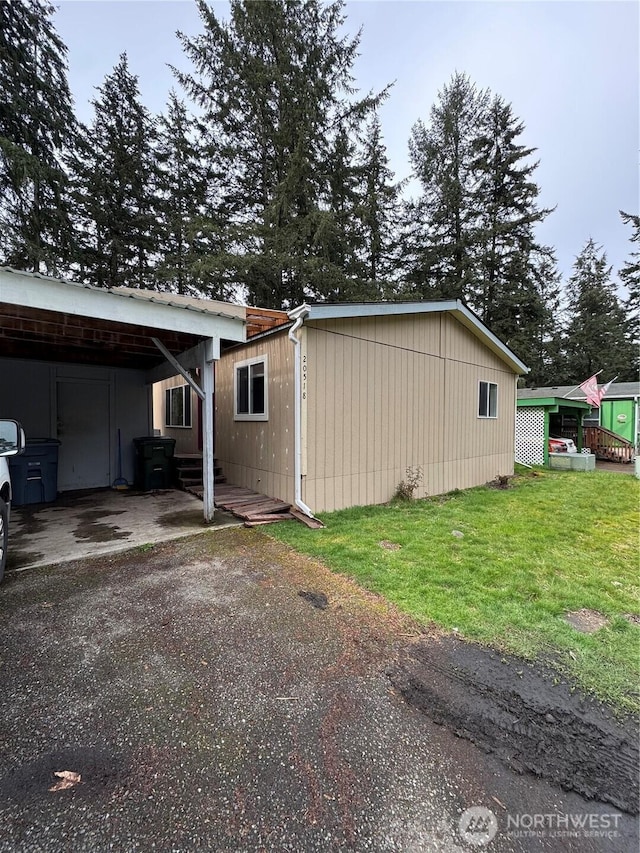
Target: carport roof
column 59, row 320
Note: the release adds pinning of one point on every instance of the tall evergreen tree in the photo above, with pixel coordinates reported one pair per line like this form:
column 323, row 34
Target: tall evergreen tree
column 630, row 277
column 595, row 336
column 273, row 83
column 503, row 242
column 340, row 234
column 37, row 126
column 188, row 246
column 380, row 210
column 116, row 186
column 470, row 234
column 442, row 154
column 536, row 331
column 630, row 272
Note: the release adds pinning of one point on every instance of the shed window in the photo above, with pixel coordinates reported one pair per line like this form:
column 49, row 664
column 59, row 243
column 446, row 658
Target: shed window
column 178, row 406
column 250, row 390
column 487, row 400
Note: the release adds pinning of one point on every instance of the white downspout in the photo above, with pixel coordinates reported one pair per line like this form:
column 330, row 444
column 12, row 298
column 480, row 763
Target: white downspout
column 298, row 314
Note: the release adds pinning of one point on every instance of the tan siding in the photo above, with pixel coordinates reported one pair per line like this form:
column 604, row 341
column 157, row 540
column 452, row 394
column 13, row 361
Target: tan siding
column 382, row 394
column 459, row 344
column 476, row 449
column 371, row 410
column 186, row 439
column 388, row 393
column 258, row 454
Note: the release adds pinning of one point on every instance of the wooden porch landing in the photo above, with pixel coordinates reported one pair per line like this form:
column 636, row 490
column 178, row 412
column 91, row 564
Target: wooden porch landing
column 252, row 507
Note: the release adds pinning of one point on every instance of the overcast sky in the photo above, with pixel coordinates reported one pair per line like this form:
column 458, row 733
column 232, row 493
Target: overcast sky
column 570, row 70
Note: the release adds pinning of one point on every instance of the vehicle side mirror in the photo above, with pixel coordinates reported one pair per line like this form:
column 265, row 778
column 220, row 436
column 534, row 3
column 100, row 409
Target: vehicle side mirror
column 12, row 439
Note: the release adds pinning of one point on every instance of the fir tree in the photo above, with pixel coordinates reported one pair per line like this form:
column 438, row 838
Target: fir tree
column 442, row 154
column 188, row 243
column 273, row 83
column 380, row 212
column 630, row 272
column 340, row 233
column 630, row 277
column 471, row 233
column 115, row 176
column 503, row 243
column 595, row 337
column 37, row 127
column 535, row 333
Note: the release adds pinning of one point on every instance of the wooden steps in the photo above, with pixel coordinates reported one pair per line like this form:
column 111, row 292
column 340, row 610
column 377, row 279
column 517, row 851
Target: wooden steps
column 252, row 507
column 607, row 445
column 188, row 468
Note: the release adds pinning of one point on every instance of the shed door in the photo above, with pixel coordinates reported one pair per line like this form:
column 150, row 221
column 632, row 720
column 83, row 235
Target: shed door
column 617, row 415
column 83, row 432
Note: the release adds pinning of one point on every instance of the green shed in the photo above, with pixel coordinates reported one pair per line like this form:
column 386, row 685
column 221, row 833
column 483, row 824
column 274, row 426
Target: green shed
column 539, row 418
column 619, row 416
column 612, row 430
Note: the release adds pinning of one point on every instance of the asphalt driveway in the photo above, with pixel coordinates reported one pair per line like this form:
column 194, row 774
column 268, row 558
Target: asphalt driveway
column 207, row 705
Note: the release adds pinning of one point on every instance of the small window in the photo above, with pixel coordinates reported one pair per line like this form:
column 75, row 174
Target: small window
column 250, row 390
column 487, row 400
column 178, row 406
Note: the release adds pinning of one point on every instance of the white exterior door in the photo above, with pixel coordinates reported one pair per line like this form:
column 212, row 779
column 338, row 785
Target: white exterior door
column 83, row 431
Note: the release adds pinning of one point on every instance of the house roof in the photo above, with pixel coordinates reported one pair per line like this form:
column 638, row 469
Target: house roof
column 455, row 307
column 617, row 391
column 59, row 320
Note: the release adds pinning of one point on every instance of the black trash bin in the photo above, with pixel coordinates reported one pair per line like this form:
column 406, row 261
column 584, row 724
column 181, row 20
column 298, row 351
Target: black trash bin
column 154, row 462
column 34, row 473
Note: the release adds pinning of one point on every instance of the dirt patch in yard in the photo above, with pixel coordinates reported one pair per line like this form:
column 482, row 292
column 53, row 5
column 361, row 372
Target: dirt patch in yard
column 586, row 621
column 530, row 719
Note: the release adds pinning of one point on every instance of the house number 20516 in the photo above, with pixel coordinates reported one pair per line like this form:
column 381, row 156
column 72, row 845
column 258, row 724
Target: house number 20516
column 304, row 377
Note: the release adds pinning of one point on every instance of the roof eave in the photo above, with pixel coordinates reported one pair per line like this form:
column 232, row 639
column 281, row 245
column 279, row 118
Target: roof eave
column 381, row 309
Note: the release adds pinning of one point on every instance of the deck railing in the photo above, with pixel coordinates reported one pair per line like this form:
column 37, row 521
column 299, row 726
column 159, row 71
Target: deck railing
column 607, row 445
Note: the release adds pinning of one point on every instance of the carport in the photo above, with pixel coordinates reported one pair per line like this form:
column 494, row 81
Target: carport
column 77, row 364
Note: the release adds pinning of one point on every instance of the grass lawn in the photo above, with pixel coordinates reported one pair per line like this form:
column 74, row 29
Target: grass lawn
column 553, row 542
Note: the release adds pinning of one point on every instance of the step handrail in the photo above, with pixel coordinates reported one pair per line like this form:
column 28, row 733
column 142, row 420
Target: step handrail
column 603, row 442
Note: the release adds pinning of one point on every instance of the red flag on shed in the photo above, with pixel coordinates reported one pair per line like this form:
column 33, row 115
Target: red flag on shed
column 590, row 388
column 604, row 389
column 594, row 394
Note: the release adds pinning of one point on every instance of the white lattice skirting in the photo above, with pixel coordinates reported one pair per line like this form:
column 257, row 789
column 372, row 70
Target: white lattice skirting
column 530, row 436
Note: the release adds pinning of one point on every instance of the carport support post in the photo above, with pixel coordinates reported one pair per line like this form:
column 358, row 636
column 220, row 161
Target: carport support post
column 208, row 477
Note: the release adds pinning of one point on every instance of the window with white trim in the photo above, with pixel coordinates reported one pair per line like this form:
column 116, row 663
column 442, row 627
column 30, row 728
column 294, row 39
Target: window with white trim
column 177, row 408
column 250, row 389
column 487, row 400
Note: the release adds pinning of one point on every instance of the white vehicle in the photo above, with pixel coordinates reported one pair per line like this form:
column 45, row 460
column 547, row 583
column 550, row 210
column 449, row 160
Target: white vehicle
column 11, row 443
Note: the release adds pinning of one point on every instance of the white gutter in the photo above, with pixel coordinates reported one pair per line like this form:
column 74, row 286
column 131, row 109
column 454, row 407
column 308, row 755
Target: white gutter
column 298, row 314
